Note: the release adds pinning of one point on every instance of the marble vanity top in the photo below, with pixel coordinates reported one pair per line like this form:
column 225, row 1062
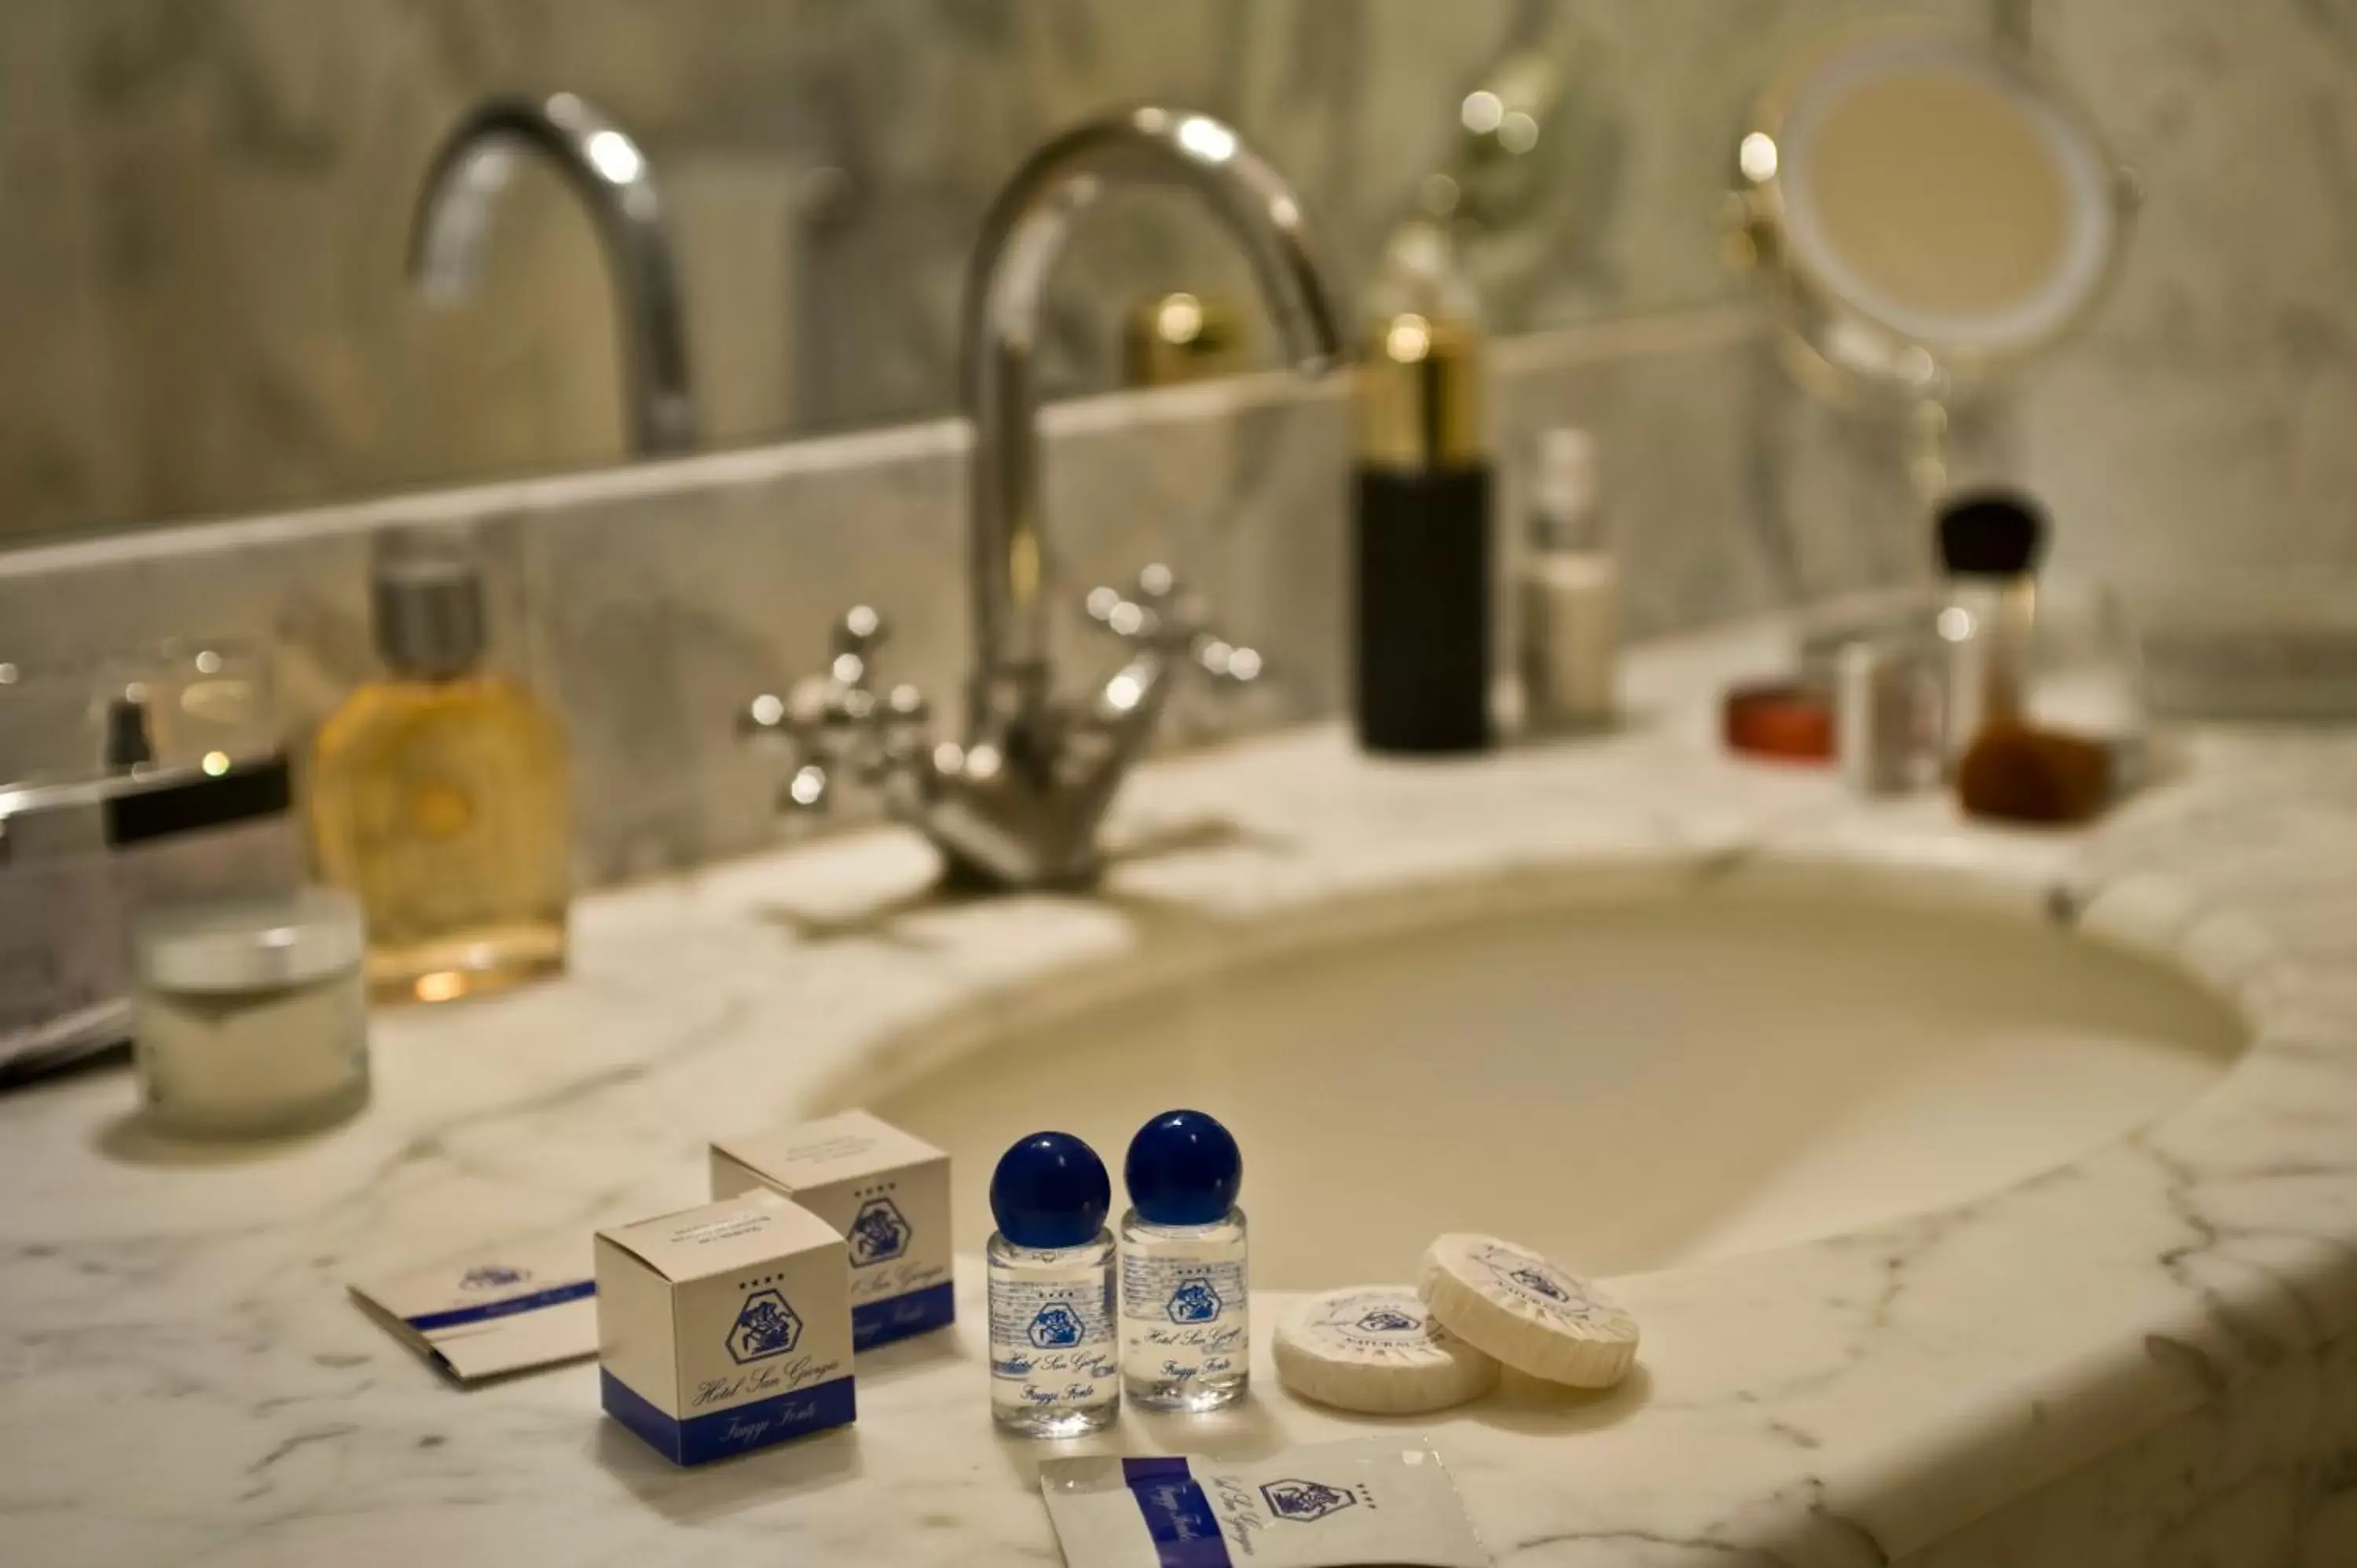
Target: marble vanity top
column 182, row 1378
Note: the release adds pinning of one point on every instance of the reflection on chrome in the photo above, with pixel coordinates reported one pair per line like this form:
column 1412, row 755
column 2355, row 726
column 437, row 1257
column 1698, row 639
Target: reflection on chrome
column 451, row 238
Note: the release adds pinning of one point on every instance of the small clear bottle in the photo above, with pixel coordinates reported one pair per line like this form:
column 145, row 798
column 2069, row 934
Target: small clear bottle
column 1055, row 1369
column 1990, row 544
column 1570, row 586
column 1186, row 1309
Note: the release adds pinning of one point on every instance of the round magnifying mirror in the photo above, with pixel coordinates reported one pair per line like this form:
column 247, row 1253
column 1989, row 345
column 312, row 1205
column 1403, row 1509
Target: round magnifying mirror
column 1927, row 209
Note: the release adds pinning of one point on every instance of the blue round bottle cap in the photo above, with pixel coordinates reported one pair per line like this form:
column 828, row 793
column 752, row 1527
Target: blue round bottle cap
column 1049, row 1190
column 1183, row 1169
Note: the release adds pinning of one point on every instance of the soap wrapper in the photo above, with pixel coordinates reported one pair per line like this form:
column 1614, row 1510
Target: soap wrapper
column 1330, row 1504
column 511, row 1311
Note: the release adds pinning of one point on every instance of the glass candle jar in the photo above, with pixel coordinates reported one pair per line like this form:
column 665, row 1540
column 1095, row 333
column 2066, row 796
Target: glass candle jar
column 250, row 1016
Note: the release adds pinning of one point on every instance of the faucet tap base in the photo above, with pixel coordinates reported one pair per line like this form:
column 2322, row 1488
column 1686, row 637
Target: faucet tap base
column 1019, row 803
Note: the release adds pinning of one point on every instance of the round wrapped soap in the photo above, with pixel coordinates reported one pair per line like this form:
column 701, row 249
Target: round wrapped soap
column 1376, row 1350
column 1533, row 1315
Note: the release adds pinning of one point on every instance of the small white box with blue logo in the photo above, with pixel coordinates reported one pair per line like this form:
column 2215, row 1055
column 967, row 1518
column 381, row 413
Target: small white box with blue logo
column 724, row 1328
column 886, row 1192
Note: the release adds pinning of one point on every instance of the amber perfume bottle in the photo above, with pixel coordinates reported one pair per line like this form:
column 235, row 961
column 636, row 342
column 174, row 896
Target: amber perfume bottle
column 1421, row 522
column 438, row 793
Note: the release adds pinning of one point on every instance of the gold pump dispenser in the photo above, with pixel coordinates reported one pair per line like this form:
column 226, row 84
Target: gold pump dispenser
column 1421, row 527
column 1420, row 393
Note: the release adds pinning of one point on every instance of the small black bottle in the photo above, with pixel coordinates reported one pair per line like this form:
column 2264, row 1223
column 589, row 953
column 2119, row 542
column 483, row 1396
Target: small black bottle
column 1421, row 524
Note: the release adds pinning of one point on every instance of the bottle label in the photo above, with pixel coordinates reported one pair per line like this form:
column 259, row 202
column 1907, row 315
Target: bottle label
column 1052, row 1337
column 1183, row 1317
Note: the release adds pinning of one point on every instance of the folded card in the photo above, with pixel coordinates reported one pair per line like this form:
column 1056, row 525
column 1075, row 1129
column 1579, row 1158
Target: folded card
column 505, row 1311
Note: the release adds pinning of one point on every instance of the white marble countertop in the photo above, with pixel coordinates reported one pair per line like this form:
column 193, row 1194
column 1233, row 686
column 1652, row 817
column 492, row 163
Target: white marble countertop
column 182, row 1378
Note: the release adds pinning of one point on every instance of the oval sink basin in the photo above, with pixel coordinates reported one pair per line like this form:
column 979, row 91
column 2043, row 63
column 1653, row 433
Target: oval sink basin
column 1626, row 1085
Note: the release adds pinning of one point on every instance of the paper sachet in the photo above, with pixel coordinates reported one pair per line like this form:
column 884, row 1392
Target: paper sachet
column 1331, row 1505
column 521, row 1308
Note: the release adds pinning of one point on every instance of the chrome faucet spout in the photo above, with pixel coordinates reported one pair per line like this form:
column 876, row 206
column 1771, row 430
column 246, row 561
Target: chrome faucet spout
column 1019, row 802
column 1022, row 236
column 450, row 237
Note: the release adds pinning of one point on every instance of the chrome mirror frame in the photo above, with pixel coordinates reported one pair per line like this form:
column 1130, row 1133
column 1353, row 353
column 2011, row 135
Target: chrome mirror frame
column 1839, row 347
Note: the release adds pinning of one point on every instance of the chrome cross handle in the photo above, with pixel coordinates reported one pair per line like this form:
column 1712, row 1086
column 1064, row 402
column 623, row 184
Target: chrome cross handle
column 1015, row 807
column 1157, row 613
column 836, row 725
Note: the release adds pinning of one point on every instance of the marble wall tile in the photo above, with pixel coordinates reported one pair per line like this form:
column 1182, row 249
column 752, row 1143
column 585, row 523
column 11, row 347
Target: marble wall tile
column 2201, row 427
column 655, row 618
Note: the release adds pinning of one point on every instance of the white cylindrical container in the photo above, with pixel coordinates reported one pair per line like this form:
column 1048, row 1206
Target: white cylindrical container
column 250, row 1016
column 1570, row 591
column 1887, row 716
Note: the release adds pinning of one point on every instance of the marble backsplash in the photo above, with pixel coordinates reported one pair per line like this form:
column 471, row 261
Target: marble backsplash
column 649, row 603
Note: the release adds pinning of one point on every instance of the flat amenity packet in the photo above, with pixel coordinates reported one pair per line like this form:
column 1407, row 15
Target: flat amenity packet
column 521, row 1308
column 1331, row 1505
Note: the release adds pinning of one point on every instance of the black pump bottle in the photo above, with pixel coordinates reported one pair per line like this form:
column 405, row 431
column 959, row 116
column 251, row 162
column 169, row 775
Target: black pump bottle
column 1420, row 522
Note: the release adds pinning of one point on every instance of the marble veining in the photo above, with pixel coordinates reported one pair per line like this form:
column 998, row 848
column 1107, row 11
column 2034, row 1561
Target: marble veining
column 2145, row 1357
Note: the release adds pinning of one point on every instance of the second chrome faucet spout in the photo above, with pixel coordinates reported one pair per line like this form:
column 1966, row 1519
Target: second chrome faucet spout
column 1019, row 802
column 450, row 237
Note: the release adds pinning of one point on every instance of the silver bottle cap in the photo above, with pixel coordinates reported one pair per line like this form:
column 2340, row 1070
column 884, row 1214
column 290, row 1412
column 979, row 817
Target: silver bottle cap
column 426, row 605
column 1885, row 717
column 250, row 943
